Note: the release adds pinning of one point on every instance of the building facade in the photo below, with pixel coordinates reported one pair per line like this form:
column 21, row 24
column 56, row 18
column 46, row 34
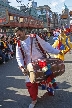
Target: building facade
column 55, row 20
column 49, row 18
column 65, row 17
column 11, row 17
column 44, row 13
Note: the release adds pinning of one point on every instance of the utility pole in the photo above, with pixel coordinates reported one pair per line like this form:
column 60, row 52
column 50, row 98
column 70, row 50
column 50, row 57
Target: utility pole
column 54, row 19
column 47, row 17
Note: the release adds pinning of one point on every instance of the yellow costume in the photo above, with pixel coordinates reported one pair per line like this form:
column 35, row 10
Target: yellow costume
column 65, row 42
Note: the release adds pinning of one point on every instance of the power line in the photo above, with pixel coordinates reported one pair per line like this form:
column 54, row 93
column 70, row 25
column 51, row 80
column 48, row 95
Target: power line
column 56, row 7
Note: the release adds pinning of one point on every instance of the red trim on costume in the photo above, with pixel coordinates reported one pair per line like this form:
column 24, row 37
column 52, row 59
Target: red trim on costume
column 40, row 47
column 19, row 45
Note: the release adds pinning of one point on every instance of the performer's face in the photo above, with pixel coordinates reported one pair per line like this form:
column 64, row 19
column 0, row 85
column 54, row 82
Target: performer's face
column 20, row 34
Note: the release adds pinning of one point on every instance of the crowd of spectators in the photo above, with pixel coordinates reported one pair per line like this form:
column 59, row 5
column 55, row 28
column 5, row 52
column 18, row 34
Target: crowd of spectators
column 45, row 35
column 8, row 45
column 7, row 48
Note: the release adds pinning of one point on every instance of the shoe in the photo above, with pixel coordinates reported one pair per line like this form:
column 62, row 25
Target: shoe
column 31, row 105
column 50, row 91
column 51, row 94
column 55, row 86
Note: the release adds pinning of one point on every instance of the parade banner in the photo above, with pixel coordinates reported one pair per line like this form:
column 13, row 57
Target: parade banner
column 4, row 18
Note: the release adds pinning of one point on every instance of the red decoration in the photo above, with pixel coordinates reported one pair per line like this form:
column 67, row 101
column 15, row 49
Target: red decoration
column 59, row 45
column 42, row 63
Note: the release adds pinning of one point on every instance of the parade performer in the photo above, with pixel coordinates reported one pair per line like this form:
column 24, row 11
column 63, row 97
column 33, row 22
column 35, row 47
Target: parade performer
column 68, row 34
column 23, row 56
column 62, row 43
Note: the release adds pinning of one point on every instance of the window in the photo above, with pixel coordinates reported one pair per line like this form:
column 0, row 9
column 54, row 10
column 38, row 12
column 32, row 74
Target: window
column 11, row 18
column 21, row 20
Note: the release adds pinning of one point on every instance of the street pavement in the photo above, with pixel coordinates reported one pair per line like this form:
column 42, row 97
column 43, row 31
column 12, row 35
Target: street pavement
column 13, row 92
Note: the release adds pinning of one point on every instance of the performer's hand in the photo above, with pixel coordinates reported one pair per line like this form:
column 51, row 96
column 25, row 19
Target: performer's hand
column 24, row 71
column 21, row 68
column 32, row 77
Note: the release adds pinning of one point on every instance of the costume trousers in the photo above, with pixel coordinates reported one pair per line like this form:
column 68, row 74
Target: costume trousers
column 33, row 90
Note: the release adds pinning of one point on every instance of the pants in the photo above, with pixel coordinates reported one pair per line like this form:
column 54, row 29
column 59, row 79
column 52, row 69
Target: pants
column 33, row 90
column 33, row 87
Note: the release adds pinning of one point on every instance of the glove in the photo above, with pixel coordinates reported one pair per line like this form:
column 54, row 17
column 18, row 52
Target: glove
column 32, row 77
column 31, row 72
column 30, row 67
column 24, row 71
